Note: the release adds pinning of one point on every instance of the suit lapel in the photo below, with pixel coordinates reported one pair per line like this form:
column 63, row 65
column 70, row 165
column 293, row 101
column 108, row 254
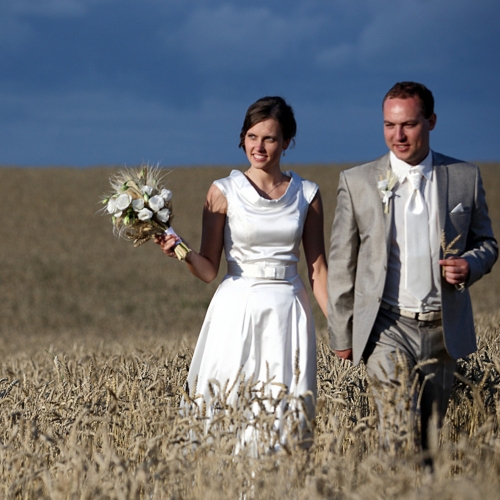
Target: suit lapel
column 441, row 172
column 382, row 168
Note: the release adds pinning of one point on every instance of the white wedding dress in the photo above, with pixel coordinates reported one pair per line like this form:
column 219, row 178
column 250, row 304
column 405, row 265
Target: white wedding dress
column 259, row 324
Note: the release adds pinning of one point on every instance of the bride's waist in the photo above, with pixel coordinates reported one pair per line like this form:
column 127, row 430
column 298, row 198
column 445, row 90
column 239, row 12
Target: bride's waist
column 263, row 269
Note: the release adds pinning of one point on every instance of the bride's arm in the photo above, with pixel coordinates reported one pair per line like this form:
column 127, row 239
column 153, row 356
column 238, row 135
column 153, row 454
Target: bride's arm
column 313, row 240
column 205, row 263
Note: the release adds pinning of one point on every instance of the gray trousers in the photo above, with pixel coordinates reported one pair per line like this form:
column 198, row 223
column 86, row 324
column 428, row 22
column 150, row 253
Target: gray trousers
column 411, row 375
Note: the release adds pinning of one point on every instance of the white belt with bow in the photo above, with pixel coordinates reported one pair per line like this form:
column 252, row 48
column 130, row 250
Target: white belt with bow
column 265, row 270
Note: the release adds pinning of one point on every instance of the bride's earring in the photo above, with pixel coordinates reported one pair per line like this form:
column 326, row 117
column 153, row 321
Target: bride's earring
column 284, row 153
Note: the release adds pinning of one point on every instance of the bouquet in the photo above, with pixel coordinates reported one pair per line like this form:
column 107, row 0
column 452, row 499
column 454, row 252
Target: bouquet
column 141, row 207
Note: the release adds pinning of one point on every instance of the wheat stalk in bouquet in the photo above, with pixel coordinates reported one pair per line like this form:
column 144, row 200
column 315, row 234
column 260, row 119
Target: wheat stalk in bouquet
column 141, row 206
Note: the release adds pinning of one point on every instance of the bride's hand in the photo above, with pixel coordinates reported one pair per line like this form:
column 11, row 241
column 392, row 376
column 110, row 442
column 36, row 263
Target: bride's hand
column 167, row 243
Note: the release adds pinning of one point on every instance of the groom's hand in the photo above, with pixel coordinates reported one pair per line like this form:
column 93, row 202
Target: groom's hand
column 345, row 354
column 455, row 270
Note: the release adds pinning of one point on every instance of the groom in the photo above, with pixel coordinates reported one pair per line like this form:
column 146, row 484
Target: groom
column 411, row 234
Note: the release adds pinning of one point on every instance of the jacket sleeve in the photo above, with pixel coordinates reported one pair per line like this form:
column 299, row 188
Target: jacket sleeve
column 481, row 247
column 344, row 245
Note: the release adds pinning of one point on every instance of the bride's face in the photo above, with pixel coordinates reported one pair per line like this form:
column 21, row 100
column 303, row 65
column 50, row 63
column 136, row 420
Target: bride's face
column 264, row 144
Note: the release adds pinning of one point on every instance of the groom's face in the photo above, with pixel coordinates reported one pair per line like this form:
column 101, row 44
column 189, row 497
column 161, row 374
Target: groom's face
column 406, row 130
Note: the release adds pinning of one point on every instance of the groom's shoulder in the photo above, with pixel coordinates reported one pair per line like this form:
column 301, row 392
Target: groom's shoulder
column 454, row 165
column 366, row 169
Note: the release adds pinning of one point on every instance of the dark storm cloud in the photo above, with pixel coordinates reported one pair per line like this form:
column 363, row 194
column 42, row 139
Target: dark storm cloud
column 110, row 45
column 121, row 81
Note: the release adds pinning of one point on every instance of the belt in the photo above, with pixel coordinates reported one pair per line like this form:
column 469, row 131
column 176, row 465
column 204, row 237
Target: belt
column 419, row 316
column 266, row 270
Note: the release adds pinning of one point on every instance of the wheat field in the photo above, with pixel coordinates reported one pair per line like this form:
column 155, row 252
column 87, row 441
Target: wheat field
column 97, row 338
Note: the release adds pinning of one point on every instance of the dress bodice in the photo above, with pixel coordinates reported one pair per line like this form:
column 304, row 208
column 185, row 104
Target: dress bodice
column 261, row 230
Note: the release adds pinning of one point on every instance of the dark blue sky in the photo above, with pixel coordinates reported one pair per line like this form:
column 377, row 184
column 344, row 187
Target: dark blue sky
column 92, row 82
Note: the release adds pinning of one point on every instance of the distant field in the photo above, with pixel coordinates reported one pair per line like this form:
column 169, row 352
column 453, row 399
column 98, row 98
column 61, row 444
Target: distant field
column 97, row 337
column 64, row 273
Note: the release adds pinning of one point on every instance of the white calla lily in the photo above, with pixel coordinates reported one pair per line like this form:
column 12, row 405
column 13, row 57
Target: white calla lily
column 138, row 204
column 123, row 201
column 166, row 194
column 147, row 190
column 163, row 214
column 111, row 207
column 145, row 214
column 156, row 203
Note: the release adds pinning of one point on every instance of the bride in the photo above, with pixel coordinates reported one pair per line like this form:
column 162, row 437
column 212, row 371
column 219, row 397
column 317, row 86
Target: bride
column 259, row 324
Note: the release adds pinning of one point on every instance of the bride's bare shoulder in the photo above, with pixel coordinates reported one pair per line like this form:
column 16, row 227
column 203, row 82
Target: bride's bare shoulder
column 216, row 201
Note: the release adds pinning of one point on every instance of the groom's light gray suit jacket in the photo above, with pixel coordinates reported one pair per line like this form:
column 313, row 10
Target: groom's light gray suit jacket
column 360, row 247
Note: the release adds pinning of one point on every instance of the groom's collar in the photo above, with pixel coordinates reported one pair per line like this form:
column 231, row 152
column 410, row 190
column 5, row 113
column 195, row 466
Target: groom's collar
column 401, row 168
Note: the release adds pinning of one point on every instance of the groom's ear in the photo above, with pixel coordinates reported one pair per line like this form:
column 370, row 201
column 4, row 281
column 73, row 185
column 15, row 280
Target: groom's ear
column 432, row 121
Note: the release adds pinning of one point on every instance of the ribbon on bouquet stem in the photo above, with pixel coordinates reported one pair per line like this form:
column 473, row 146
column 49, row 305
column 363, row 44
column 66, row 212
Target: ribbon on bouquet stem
column 181, row 249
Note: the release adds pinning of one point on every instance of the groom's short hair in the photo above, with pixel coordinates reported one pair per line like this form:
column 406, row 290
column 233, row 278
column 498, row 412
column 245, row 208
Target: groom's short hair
column 405, row 90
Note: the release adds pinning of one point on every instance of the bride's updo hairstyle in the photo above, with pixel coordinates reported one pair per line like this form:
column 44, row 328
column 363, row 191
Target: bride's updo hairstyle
column 270, row 107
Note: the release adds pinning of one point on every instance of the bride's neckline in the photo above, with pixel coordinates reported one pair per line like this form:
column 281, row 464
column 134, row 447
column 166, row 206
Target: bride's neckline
column 267, row 195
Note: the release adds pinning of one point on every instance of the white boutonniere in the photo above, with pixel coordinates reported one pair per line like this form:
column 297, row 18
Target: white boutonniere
column 386, row 186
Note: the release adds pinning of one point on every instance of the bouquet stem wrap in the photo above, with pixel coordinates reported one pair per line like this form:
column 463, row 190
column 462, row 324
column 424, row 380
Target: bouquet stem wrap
column 181, row 249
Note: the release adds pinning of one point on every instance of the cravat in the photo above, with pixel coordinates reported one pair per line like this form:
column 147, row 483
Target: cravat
column 418, row 252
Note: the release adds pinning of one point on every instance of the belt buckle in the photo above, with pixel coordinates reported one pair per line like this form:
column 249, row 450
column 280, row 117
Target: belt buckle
column 274, row 272
column 408, row 314
column 432, row 316
column 428, row 316
column 269, row 273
